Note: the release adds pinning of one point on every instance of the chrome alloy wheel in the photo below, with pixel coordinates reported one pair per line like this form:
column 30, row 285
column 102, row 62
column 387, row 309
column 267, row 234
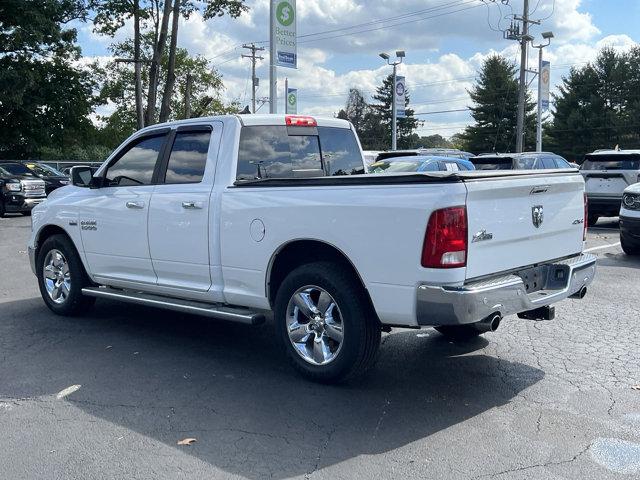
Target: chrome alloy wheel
column 57, row 279
column 314, row 325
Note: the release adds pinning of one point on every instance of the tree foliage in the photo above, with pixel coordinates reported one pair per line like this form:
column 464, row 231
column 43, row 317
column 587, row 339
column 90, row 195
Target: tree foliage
column 597, row 106
column 45, row 99
column 373, row 121
column 495, row 110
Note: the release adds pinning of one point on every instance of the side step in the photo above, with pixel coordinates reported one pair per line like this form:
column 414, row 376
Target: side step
column 218, row 311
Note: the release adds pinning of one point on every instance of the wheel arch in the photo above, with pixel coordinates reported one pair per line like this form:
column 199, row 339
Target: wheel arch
column 295, row 253
column 51, row 229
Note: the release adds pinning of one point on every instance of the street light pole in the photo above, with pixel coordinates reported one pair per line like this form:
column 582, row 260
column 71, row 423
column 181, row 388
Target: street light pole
column 400, row 54
column 547, row 36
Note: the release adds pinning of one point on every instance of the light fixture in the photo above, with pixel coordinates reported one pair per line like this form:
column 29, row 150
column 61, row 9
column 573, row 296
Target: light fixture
column 547, row 35
column 400, row 53
column 384, row 56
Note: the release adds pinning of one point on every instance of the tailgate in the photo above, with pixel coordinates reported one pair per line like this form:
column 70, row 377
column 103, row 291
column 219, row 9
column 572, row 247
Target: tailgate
column 521, row 221
column 606, row 183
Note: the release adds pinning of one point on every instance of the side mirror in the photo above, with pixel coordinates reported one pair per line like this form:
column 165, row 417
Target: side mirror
column 82, row 176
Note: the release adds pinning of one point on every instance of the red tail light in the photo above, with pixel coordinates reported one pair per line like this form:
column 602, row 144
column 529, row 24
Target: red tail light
column 445, row 242
column 300, row 121
column 586, row 218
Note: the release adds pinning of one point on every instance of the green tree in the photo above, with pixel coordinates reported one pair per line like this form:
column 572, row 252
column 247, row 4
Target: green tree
column 495, row 106
column 597, row 106
column 118, row 89
column 45, row 99
column 406, row 126
column 365, row 120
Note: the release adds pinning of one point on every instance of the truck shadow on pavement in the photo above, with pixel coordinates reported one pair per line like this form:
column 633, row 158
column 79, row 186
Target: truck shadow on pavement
column 169, row 376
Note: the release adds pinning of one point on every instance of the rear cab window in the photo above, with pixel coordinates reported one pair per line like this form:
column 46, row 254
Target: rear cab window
column 297, row 152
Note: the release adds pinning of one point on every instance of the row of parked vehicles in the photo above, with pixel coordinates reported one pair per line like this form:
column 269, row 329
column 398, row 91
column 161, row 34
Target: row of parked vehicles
column 612, row 177
column 23, row 185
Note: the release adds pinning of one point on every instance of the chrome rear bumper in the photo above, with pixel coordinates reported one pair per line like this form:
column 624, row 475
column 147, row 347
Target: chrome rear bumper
column 507, row 294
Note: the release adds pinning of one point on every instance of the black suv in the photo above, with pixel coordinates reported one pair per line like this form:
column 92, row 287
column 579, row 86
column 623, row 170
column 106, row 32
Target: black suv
column 52, row 178
column 20, row 189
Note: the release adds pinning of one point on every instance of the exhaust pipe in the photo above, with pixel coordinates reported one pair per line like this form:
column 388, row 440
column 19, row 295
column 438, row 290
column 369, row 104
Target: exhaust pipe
column 580, row 293
column 489, row 324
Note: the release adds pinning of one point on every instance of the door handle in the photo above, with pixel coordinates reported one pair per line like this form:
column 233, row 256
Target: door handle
column 136, row 205
column 192, row 205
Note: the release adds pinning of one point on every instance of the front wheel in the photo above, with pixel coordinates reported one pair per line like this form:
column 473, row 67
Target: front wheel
column 325, row 323
column 61, row 277
column 2, row 209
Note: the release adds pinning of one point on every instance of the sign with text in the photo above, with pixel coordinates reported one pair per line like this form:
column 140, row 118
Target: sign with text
column 283, row 33
column 292, row 100
column 401, row 90
column 545, row 79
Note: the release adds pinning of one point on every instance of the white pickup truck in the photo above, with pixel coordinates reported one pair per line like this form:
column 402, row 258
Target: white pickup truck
column 235, row 217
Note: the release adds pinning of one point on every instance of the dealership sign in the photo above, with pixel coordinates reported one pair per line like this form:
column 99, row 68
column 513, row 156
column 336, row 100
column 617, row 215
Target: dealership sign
column 292, row 100
column 545, row 79
column 283, row 33
column 401, row 90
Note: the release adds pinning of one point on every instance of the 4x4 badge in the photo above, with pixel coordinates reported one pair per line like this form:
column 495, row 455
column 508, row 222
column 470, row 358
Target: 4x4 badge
column 537, row 215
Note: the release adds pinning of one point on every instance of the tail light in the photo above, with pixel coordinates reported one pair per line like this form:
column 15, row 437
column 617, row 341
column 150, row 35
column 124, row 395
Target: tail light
column 445, row 242
column 300, row 121
column 586, row 218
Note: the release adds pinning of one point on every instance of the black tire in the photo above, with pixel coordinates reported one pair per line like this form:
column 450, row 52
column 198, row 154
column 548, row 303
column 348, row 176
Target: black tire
column 629, row 248
column 592, row 219
column 75, row 303
column 459, row 332
column 360, row 326
column 2, row 209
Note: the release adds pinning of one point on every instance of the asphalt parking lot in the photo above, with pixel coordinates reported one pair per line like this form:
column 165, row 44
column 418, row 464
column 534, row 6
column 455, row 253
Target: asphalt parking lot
column 534, row 400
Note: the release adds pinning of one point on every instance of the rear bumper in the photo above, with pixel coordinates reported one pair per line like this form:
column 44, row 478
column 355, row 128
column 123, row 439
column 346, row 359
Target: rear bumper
column 604, row 204
column 506, row 294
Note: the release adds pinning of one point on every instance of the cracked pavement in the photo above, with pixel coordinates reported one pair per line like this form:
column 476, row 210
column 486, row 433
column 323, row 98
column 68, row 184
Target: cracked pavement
column 534, row 400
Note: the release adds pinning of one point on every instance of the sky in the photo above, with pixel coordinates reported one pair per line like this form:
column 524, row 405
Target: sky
column 445, row 41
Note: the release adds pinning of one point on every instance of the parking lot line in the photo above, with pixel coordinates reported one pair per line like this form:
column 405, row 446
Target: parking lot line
column 602, row 247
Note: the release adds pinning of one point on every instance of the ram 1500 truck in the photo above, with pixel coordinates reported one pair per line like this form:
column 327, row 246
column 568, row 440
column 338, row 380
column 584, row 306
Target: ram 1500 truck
column 235, row 217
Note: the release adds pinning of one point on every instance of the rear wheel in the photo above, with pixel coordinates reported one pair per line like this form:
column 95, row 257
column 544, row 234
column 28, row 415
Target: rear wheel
column 61, row 277
column 458, row 332
column 325, row 323
column 2, row 209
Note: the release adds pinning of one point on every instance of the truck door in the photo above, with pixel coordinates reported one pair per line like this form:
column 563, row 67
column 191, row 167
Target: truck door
column 113, row 218
column 179, row 216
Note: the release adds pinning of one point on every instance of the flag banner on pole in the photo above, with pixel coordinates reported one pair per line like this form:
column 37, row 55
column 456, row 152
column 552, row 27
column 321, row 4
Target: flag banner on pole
column 401, row 90
column 292, row 100
column 283, row 31
column 545, row 78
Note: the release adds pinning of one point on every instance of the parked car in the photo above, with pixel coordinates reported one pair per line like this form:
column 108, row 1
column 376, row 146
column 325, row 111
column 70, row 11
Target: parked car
column 232, row 217
column 20, row 189
column 52, row 178
column 607, row 174
column 446, row 152
column 519, row 161
column 630, row 220
column 370, row 156
column 425, row 163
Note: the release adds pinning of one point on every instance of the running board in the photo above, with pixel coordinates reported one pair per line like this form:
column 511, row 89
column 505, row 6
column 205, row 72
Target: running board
column 218, row 311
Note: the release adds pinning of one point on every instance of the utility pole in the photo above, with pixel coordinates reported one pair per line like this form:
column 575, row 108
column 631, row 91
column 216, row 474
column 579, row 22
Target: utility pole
column 541, row 80
column 254, row 79
column 187, row 97
column 273, row 69
column 524, row 44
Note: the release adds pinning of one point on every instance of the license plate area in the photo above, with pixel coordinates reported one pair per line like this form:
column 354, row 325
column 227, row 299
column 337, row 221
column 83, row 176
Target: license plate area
column 544, row 277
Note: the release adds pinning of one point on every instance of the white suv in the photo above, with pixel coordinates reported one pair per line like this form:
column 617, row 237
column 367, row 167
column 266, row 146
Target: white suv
column 630, row 220
column 607, row 173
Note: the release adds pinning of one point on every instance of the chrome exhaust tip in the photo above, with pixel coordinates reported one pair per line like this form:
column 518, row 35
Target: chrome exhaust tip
column 489, row 324
column 580, row 294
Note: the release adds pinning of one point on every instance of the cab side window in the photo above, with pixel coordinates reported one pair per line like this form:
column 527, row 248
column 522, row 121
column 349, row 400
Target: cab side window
column 188, row 157
column 137, row 164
